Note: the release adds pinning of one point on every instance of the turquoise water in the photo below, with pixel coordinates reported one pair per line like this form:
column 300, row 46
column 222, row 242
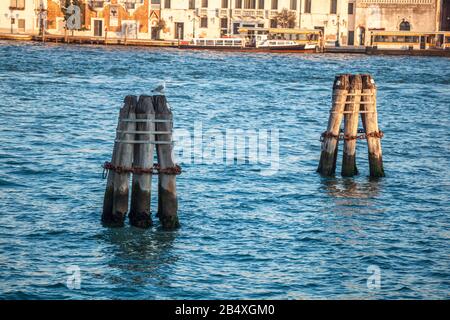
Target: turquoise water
column 291, row 235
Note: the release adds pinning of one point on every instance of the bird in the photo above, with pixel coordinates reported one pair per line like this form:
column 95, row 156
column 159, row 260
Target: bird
column 161, row 88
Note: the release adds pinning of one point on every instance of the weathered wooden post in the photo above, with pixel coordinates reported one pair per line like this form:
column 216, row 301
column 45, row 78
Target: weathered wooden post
column 140, row 213
column 370, row 123
column 352, row 95
column 167, row 194
column 115, row 205
column 351, row 117
column 327, row 164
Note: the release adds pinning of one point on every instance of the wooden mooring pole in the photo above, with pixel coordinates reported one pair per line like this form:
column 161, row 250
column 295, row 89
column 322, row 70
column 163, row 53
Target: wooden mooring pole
column 352, row 95
column 370, row 125
column 142, row 124
column 115, row 204
column 143, row 158
column 351, row 112
column 167, row 191
column 327, row 164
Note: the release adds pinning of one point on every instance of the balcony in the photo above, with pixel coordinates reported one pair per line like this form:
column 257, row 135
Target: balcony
column 273, row 13
column 18, row 7
column 248, row 13
column 223, row 12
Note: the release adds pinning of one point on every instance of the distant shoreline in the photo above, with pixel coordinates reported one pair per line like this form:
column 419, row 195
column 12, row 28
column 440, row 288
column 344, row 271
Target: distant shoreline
column 101, row 41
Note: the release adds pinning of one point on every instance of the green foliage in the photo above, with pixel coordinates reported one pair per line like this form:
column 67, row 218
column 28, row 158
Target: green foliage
column 160, row 25
column 65, row 4
column 285, row 19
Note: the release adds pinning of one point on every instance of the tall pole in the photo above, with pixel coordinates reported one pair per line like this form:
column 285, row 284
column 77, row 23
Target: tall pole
column 300, row 15
column 12, row 19
column 338, row 31
column 230, row 14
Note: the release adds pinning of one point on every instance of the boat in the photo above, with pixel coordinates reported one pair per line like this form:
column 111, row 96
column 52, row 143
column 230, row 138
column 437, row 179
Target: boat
column 261, row 40
column 410, row 43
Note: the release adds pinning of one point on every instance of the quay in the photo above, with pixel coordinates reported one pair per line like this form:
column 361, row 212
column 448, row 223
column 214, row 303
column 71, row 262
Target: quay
column 91, row 40
column 345, row 49
column 100, row 40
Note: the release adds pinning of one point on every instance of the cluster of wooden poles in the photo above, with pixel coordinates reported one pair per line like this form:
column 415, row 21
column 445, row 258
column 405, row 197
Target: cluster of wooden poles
column 352, row 95
column 143, row 123
column 148, row 121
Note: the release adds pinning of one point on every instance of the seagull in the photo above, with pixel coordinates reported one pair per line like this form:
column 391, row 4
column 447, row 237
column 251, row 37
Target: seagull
column 161, row 88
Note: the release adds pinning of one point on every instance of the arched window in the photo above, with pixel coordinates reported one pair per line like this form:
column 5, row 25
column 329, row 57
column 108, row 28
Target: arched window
column 405, row 26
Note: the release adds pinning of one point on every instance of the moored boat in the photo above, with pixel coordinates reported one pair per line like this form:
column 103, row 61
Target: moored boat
column 261, row 40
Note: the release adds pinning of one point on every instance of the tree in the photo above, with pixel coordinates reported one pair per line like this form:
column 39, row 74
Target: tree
column 69, row 17
column 285, row 19
column 160, row 25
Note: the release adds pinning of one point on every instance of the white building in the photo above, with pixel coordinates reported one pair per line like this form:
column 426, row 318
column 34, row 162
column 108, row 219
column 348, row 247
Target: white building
column 395, row 15
column 213, row 18
column 19, row 16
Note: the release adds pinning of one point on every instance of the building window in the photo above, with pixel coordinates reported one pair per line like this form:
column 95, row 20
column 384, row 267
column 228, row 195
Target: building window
column 154, row 1
column 293, row 5
column 224, row 4
column 21, row 24
column 350, row 8
column 17, row 4
column 166, row 4
column 223, row 23
column 204, row 22
column 273, row 23
column 261, row 4
column 191, row 4
column 204, row 3
column 238, row 4
column 274, row 5
column 351, row 38
column 249, row 4
column 333, row 7
column 307, row 6
column 405, row 26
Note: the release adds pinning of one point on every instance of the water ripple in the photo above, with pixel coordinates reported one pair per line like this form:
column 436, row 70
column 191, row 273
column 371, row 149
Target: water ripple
column 293, row 235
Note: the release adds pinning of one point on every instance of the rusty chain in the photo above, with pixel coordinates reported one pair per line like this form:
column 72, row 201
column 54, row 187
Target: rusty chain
column 156, row 169
column 376, row 134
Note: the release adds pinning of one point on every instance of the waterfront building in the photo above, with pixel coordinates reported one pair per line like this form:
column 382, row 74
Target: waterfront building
column 19, row 16
column 112, row 18
column 400, row 15
column 215, row 18
column 342, row 22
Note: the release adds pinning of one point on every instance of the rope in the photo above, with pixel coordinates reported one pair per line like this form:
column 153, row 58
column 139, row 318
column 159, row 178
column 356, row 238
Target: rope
column 143, row 141
column 355, row 95
column 355, row 111
column 143, row 132
column 146, row 120
column 156, row 169
column 376, row 134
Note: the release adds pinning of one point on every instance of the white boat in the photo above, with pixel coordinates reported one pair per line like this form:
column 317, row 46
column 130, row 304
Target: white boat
column 260, row 42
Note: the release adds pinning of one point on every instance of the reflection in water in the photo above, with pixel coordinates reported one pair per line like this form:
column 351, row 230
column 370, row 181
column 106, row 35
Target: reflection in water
column 351, row 200
column 243, row 235
column 351, row 189
column 140, row 256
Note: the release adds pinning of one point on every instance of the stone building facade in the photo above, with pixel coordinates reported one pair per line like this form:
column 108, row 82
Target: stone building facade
column 215, row 18
column 396, row 15
column 343, row 22
column 19, row 16
column 119, row 18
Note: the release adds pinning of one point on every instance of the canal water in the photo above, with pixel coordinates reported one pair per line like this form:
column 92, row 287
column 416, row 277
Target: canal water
column 289, row 235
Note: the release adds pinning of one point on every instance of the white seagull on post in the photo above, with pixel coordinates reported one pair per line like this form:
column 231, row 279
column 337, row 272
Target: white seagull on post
column 161, row 88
